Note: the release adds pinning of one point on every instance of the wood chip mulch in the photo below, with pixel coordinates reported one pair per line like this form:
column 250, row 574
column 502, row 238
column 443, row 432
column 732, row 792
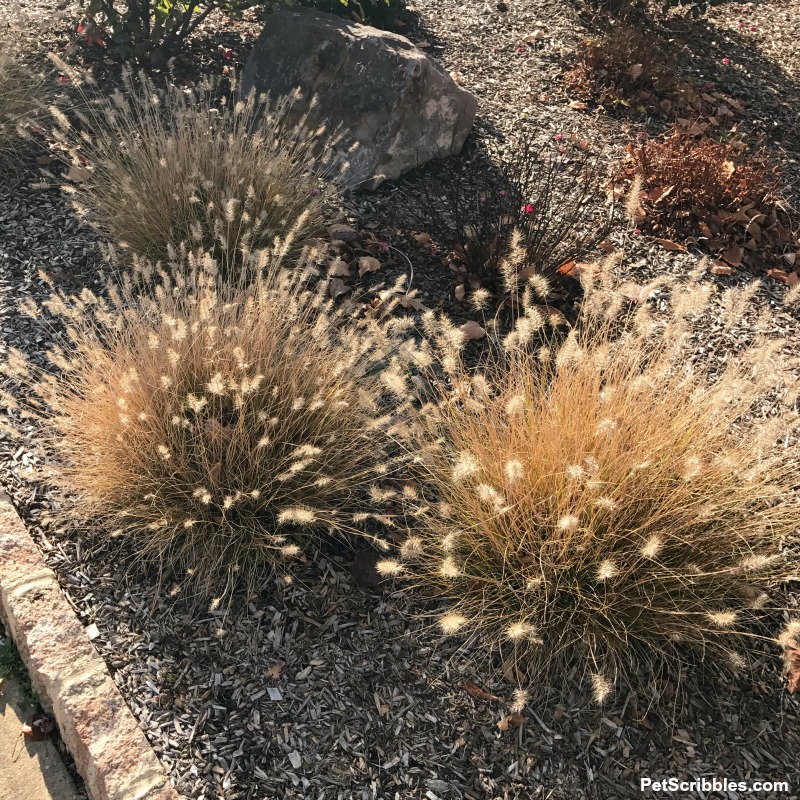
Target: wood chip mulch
column 329, row 689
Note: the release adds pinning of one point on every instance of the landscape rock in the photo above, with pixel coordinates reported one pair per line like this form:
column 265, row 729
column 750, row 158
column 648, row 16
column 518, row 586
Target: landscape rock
column 396, row 104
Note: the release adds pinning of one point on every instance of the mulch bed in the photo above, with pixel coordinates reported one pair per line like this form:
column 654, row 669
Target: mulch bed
column 329, row 688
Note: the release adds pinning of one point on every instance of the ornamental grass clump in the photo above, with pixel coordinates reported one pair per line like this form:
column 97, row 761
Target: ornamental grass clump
column 154, row 167
column 607, row 503
column 219, row 431
column 21, row 90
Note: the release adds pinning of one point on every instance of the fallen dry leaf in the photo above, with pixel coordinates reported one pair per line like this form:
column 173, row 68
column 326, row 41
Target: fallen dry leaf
column 576, row 269
column 733, row 255
column 789, row 278
column 460, row 291
column 339, row 269
column 635, row 71
column 669, row 245
column 78, row 174
column 660, row 193
column 383, row 709
column 511, row 721
column 411, row 302
column 275, row 669
column 367, row 264
column 337, row 287
column 728, row 168
column 536, row 36
column 472, row 330
column 721, row 268
column 377, row 308
column 479, row 693
column 343, row 233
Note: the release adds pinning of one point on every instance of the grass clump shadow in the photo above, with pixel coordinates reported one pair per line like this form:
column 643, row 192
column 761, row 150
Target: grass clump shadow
column 12, row 666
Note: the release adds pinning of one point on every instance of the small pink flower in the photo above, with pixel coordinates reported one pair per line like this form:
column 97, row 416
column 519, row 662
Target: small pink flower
column 63, row 79
column 742, row 23
column 558, row 137
column 503, row 193
column 726, row 61
column 384, row 246
column 434, row 249
column 637, row 231
column 520, row 49
column 314, row 192
column 710, row 84
column 483, row 198
column 754, row 27
column 640, row 134
column 528, row 208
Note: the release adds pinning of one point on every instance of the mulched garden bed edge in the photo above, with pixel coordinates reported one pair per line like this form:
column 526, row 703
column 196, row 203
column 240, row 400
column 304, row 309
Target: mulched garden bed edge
column 110, row 750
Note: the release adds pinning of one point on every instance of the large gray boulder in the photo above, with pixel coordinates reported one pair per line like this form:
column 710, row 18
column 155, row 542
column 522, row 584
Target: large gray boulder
column 399, row 106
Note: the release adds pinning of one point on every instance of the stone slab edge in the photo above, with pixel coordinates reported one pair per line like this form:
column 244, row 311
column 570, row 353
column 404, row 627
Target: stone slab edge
column 110, row 750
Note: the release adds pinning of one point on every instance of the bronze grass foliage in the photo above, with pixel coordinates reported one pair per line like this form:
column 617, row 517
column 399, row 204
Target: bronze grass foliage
column 722, row 195
column 628, row 67
column 624, row 66
column 219, row 430
column 22, row 91
column 153, row 167
column 605, row 503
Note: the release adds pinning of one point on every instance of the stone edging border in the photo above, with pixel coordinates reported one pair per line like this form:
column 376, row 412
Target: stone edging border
column 110, row 750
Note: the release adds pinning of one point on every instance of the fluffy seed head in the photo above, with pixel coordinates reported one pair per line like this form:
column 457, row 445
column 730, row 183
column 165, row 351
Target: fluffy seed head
column 607, row 570
column 568, row 523
column 451, row 623
column 601, row 687
column 723, row 619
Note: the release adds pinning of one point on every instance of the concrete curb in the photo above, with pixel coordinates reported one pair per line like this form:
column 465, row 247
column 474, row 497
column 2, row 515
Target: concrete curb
column 110, row 750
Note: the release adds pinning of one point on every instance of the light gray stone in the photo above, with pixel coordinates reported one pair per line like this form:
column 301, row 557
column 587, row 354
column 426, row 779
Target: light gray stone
column 399, row 106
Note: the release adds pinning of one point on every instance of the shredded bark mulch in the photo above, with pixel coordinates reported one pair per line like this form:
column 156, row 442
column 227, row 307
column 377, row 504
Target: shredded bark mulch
column 328, row 687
